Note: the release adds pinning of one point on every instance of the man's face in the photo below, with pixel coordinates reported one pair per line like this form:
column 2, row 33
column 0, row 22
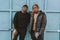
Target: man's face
column 25, row 9
column 35, row 9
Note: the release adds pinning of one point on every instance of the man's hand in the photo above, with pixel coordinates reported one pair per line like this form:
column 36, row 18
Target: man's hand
column 36, row 34
column 15, row 32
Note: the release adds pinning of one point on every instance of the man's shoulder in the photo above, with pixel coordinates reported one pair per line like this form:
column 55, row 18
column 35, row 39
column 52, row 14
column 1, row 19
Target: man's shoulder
column 43, row 13
column 18, row 12
column 29, row 13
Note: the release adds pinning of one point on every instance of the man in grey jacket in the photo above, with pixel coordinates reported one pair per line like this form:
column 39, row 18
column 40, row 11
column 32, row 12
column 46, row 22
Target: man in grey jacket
column 38, row 23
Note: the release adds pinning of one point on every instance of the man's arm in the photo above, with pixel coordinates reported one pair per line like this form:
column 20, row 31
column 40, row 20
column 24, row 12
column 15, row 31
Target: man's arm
column 43, row 25
column 15, row 20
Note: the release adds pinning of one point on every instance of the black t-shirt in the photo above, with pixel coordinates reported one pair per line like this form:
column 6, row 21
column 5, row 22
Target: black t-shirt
column 21, row 20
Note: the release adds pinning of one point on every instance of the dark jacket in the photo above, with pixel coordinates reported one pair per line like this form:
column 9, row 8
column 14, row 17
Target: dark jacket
column 21, row 20
column 40, row 24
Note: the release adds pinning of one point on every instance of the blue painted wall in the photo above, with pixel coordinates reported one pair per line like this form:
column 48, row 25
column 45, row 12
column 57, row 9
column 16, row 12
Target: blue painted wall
column 8, row 9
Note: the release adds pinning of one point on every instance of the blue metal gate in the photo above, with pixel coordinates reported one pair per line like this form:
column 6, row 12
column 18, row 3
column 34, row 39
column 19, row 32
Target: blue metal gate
column 8, row 9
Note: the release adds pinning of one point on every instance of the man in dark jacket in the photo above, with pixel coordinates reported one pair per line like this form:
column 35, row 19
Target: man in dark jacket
column 38, row 23
column 21, row 21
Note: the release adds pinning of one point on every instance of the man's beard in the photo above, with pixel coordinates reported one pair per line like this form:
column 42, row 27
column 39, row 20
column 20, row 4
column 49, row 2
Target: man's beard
column 36, row 11
column 24, row 11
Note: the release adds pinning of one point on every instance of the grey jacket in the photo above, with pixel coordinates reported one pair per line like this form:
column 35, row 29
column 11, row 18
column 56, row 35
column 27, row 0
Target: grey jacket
column 40, row 24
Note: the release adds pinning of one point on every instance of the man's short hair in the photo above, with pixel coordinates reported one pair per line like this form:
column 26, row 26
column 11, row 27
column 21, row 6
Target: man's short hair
column 25, row 6
column 35, row 5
